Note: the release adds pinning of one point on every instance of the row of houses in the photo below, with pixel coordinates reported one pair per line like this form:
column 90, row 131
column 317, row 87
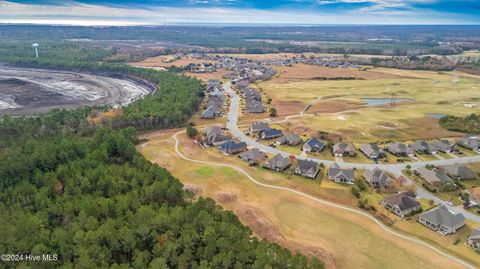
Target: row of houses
column 440, row 176
column 253, row 100
column 215, row 99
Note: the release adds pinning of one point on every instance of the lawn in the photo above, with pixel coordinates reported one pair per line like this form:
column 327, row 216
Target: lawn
column 343, row 112
column 292, row 220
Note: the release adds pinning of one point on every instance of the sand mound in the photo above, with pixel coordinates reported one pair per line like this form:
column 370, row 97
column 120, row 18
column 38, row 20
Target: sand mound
column 225, row 197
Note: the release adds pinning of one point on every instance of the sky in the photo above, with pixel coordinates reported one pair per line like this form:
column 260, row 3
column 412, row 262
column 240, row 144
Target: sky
column 282, row 12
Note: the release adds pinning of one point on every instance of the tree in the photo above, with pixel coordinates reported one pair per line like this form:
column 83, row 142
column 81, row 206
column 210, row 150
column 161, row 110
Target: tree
column 273, row 112
column 191, row 131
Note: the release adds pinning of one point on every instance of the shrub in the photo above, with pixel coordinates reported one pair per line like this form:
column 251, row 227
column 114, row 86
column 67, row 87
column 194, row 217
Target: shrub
column 355, row 192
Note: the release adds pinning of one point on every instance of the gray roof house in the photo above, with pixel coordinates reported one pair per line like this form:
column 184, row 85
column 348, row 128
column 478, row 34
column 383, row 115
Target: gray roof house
column 435, row 177
column 210, row 113
column 440, row 219
column 214, row 136
column 469, row 143
column 400, row 149
column 258, row 126
column 253, row 156
column 422, row 146
column 278, row 163
column 340, row 175
column 444, row 145
column 270, row 133
column 343, row 149
column 231, row 147
column 372, row 151
column 473, row 240
column 458, row 171
column 290, row 139
column 377, row 178
column 307, row 168
column 402, row 204
column 313, row 145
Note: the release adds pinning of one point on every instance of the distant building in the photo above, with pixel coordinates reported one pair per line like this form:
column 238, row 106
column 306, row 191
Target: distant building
column 423, row 147
column 253, row 156
column 400, row 149
column 377, row 178
column 473, row 240
column 270, row 134
column 290, row 139
column 258, row 126
column 214, row 136
column 278, row 163
column 313, row 145
column 434, row 177
column 444, row 145
column 372, row 151
column 343, row 149
column 458, row 171
column 231, row 147
column 470, row 143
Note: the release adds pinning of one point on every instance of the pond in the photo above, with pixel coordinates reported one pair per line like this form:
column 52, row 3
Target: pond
column 385, row 101
column 436, row 115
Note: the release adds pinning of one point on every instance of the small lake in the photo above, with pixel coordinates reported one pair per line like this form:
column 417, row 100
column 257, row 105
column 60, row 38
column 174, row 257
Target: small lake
column 436, row 115
column 385, row 101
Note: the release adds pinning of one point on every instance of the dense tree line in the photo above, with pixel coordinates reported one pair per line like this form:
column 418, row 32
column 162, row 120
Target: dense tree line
column 468, row 124
column 95, row 202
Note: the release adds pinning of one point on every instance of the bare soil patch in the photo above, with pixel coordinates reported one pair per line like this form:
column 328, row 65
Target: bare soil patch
column 225, row 197
column 286, row 108
column 309, row 72
column 196, row 189
column 162, row 61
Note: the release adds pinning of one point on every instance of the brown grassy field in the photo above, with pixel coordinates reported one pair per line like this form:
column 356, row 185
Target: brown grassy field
column 159, row 61
column 341, row 239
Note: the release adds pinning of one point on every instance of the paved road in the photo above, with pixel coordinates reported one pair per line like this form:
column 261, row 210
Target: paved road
column 325, row 202
column 395, row 169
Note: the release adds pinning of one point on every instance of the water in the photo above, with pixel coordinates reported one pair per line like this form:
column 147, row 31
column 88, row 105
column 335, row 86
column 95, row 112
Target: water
column 385, row 101
column 436, row 115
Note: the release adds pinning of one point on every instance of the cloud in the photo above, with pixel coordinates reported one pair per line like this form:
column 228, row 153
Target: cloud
column 375, row 12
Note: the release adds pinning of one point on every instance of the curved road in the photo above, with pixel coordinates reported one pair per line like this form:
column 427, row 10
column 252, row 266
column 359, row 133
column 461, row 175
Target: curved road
column 395, row 169
column 325, row 202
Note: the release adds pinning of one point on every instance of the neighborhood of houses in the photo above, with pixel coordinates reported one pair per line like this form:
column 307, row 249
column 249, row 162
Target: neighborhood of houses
column 402, row 204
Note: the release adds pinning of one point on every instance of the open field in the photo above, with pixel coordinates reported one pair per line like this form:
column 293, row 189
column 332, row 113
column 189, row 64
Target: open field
column 340, row 109
column 293, row 221
column 168, row 60
column 30, row 91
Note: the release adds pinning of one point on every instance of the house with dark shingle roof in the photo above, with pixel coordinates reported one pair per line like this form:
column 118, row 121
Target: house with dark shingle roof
column 313, row 145
column 458, row 171
column 270, row 133
column 423, row 147
column 434, row 177
column 231, row 147
column 214, row 136
column 470, row 143
column 210, row 113
column 444, row 145
column 258, row 126
column 278, row 163
column 307, row 168
column 377, row 178
column 473, row 240
column 372, row 151
column 343, row 149
column 340, row 175
column 442, row 220
column 400, row 149
column 402, row 204
column 290, row 139
column 253, row 156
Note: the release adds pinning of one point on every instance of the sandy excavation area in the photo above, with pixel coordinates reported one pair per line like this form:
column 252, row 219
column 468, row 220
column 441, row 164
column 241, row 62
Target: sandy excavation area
column 31, row 91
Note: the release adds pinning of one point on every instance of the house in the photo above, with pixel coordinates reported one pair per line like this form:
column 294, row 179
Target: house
column 290, row 139
column 440, row 219
column 458, row 171
column 340, row 175
column 377, row 178
column 254, row 107
column 214, row 136
column 400, row 149
column 210, row 113
column 231, row 147
column 253, row 156
column 402, row 204
column 474, row 195
column 307, row 168
column 278, row 163
column 258, row 126
column 434, row 177
column 270, row 133
column 372, row 151
column 313, row 145
column 473, row 240
column 343, row 149
column 470, row 143
column 444, row 145
column 423, row 147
